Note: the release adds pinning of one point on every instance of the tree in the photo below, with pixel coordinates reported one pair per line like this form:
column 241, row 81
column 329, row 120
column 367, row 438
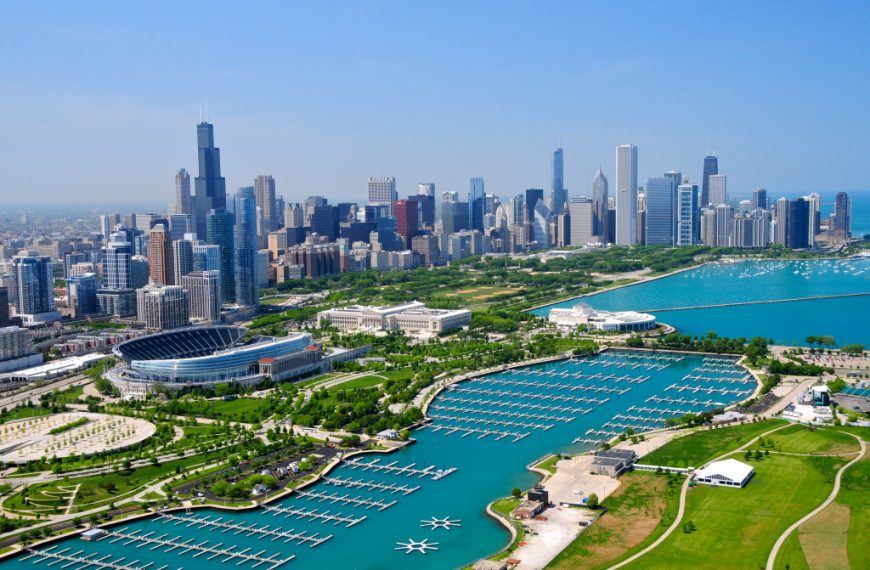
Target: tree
column 516, row 492
column 748, row 455
column 592, row 501
column 758, row 455
column 853, row 349
column 634, row 342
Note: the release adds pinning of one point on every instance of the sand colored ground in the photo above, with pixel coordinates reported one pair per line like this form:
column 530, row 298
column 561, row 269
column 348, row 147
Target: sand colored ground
column 824, row 538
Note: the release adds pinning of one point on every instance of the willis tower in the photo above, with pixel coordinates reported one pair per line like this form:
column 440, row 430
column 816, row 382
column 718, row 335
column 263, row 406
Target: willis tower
column 210, row 186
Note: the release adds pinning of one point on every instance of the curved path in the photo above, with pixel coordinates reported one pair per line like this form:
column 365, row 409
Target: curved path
column 771, row 560
column 683, row 490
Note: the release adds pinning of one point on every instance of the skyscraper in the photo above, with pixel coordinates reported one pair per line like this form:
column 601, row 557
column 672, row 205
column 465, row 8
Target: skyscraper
column 4, row 306
column 842, row 216
column 206, row 257
column 724, row 213
column 759, row 199
column 211, row 188
column 815, row 217
column 179, row 225
column 82, row 295
column 582, row 212
column 626, row 194
column 182, row 259
column 324, row 222
column 160, row 256
column 264, row 191
column 542, row 225
column 161, row 308
column 531, row 200
column 183, row 203
column 382, row 191
column 661, row 197
column 220, row 233
column 717, row 189
column 558, row 194
column 797, row 232
column 476, row 203
column 33, row 287
column 247, row 285
column 117, row 271
column 780, row 220
column 711, row 167
column 599, row 206
column 405, row 212
column 204, row 295
column 688, row 222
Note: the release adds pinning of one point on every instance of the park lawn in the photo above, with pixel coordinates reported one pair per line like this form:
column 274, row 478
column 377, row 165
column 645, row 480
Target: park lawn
column 697, row 448
column 549, row 464
column 799, row 439
column 638, row 512
column 273, row 300
column 791, row 553
column 68, row 396
column 399, row 374
column 505, row 507
column 479, row 293
column 745, row 522
column 855, row 494
column 240, row 409
column 364, row 382
column 23, row 413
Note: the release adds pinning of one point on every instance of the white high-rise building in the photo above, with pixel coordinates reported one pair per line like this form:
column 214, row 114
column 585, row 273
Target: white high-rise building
column 382, row 191
column 626, row 194
column 815, row 217
column 204, row 289
column 161, row 308
column 264, row 195
column 582, row 212
column 724, row 213
column 718, row 189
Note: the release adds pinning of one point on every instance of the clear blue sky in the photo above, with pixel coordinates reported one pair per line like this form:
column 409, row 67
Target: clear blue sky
column 100, row 100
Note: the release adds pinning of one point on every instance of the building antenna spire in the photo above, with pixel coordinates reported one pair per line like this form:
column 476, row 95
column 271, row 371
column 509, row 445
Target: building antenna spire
column 206, row 110
column 200, row 112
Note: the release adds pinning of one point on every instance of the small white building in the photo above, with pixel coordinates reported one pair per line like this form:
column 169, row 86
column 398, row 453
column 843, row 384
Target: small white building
column 583, row 314
column 725, row 473
column 411, row 317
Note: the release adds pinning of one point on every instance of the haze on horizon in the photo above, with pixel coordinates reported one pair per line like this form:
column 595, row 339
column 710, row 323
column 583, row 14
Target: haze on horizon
column 101, row 100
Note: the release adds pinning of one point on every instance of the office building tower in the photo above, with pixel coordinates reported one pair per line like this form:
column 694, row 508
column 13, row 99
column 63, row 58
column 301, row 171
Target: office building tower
column 220, row 233
column 708, row 227
column 454, row 217
column 71, row 258
column 426, row 246
column 160, row 256
column 206, row 257
column 107, row 224
column 449, row 197
column 797, row 232
column 426, row 189
column 82, row 295
column 210, row 186
column 183, row 201
column 294, row 216
column 558, row 196
column 247, row 284
column 33, row 288
column 426, row 209
column 842, row 216
column 517, row 209
column 4, row 306
column 180, row 225
column 759, row 199
column 476, row 203
column 599, row 206
column 814, row 203
column 718, row 193
column 661, row 206
column 688, row 222
column 724, row 213
column 382, row 191
column 711, row 167
column 117, row 254
column 264, row 193
column 204, row 296
column 531, row 200
column 140, row 273
column 626, row 194
column 541, row 225
column 780, row 221
column 162, row 308
column 324, row 222
column 15, row 343
column 407, row 216
column 182, row 259
column 582, row 212
column 263, row 268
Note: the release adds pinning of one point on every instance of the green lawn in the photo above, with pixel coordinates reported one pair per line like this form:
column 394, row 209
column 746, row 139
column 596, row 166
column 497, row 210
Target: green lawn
column 364, row 382
column 638, row 512
column 549, row 464
column 696, row 449
column 736, row 528
column 504, row 507
column 855, row 494
column 799, row 439
column 236, row 410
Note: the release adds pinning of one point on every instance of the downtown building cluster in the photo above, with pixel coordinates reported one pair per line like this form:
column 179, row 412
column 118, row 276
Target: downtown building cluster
column 206, row 258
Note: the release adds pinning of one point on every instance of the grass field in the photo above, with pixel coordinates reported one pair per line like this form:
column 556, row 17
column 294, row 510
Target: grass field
column 638, row 512
column 479, row 294
column 698, row 448
column 745, row 522
column 240, row 409
column 548, row 464
column 504, row 507
column 364, row 382
column 799, row 439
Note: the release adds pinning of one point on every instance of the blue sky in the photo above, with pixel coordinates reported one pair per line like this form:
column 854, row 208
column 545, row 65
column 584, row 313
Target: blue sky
column 100, row 100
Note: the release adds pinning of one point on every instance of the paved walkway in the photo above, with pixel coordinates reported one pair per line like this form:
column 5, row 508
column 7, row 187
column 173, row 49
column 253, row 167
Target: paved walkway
column 771, row 560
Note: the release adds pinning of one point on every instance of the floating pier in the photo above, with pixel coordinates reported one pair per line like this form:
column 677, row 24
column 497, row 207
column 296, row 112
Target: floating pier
column 314, row 514
column 409, row 470
column 357, row 484
column 86, row 561
column 249, row 530
column 346, row 499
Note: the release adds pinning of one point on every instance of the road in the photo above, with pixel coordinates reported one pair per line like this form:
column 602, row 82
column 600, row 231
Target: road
column 33, row 393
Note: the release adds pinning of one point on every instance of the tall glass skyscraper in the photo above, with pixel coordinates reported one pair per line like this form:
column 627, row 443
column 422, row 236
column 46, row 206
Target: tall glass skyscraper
column 220, row 233
column 558, row 195
column 33, row 287
column 599, row 206
column 117, row 264
column 476, row 203
column 210, row 186
column 660, row 211
column 247, row 285
column 688, row 221
column 711, row 167
column 626, row 194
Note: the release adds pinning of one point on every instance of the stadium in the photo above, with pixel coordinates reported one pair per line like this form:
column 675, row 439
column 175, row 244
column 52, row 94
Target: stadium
column 202, row 357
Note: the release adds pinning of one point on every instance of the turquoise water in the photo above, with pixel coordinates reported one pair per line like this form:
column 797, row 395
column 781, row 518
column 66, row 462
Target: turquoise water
column 534, row 411
column 845, row 318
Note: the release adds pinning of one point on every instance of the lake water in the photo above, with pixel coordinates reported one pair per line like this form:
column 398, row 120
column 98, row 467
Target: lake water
column 845, row 318
column 528, row 413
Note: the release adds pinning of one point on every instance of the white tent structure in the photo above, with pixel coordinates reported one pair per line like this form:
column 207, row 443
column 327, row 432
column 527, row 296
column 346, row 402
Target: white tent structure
column 726, row 473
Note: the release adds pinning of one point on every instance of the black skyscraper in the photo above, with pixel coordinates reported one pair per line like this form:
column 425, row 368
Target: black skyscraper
column 532, row 197
column 211, row 188
column 711, row 167
column 798, row 224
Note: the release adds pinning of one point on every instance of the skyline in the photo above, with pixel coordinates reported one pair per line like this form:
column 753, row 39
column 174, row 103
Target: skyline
column 322, row 116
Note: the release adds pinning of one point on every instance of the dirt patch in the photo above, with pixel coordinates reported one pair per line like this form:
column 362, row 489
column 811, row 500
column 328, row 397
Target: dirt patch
column 635, row 509
column 824, row 538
